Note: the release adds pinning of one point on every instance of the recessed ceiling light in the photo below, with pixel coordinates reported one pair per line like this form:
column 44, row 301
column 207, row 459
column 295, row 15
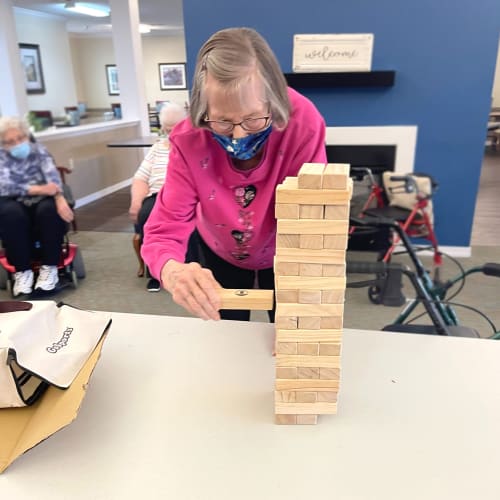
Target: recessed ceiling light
column 88, row 9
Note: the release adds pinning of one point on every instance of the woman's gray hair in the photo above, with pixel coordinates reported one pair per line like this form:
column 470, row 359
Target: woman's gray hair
column 10, row 122
column 171, row 113
column 231, row 56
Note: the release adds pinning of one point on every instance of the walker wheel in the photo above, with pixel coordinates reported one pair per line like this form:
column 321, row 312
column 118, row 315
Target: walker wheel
column 375, row 294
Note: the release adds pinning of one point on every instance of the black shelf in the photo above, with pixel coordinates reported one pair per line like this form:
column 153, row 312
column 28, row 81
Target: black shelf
column 351, row 79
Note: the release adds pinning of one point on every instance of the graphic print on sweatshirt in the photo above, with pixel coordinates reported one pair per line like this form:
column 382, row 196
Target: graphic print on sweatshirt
column 244, row 195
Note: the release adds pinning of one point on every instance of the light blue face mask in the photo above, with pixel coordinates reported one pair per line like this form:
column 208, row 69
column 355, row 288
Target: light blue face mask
column 245, row 147
column 20, row 151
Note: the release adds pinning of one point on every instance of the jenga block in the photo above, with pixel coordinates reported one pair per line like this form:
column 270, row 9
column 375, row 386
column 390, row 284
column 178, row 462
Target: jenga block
column 308, row 296
column 326, row 348
column 287, row 397
column 326, row 396
column 288, row 240
column 304, row 397
column 312, row 226
column 332, row 322
column 309, row 269
column 287, row 211
column 304, row 372
column 288, row 295
column 312, row 323
column 307, row 408
column 307, row 385
column 309, row 335
column 307, row 348
column 327, row 373
column 287, row 372
column 285, row 419
column 288, row 348
column 332, row 212
column 290, row 193
column 334, row 270
column 310, row 212
column 336, row 241
column 311, row 241
column 336, row 176
column 246, row 299
column 307, row 419
column 286, row 268
column 285, row 322
column 325, row 256
column 332, row 296
column 310, row 176
column 308, row 310
column 311, row 282
column 303, row 361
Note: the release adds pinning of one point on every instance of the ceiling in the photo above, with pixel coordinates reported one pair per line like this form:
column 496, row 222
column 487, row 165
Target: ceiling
column 164, row 16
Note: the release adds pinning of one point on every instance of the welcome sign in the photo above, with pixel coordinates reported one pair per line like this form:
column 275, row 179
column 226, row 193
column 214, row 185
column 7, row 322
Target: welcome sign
column 332, row 53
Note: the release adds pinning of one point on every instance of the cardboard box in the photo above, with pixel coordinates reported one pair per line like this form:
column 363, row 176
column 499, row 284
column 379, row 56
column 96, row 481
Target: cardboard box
column 23, row 428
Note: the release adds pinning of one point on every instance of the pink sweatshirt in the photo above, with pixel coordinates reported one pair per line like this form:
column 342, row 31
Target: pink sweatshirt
column 232, row 210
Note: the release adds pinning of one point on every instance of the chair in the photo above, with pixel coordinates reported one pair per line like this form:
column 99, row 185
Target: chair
column 63, row 171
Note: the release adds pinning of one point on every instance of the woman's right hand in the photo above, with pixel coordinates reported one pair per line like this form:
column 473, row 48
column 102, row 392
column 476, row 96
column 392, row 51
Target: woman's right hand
column 193, row 288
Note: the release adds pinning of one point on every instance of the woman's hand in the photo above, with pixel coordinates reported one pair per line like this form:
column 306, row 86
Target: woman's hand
column 133, row 211
column 63, row 209
column 193, row 288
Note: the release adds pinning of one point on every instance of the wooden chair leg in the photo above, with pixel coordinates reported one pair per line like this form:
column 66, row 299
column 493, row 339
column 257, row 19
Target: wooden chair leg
column 136, row 242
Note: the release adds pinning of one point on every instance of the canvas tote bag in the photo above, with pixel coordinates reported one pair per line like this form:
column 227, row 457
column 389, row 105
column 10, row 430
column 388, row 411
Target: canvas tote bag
column 43, row 343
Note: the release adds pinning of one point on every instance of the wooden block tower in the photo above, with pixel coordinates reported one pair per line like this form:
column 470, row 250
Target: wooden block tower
column 313, row 220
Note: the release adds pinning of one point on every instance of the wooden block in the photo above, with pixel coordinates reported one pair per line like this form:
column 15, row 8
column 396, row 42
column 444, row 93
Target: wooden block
column 286, row 372
column 287, row 397
column 331, row 322
column 310, row 176
column 307, row 419
column 325, row 256
column 287, row 211
column 287, row 240
column 308, row 296
column 309, row 335
column 286, row 268
column 334, row 270
column 307, row 348
column 311, row 212
column 290, row 193
column 311, row 241
column 307, row 385
column 334, row 296
column 307, row 373
column 332, row 212
column 327, row 373
column 246, row 299
column 289, row 348
column 336, row 176
column 312, row 323
column 303, row 361
column 283, row 419
column 285, row 322
column 288, row 295
column 310, row 310
column 326, row 348
column 306, row 408
column 326, row 396
column 303, row 397
column 311, row 282
column 336, row 241
column 307, row 269
column 312, row 226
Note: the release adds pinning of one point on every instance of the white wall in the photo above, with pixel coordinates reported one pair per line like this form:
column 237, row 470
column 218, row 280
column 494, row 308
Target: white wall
column 496, row 82
column 50, row 34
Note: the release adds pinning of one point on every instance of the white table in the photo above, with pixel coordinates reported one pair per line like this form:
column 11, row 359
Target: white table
column 181, row 409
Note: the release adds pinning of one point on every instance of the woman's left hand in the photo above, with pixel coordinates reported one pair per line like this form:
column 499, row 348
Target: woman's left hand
column 63, row 209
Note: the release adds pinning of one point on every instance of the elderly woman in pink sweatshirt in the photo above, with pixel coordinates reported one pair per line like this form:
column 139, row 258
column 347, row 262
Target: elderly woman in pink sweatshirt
column 247, row 132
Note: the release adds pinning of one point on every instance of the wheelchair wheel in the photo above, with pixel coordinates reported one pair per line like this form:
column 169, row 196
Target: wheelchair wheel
column 4, row 278
column 74, row 279
column 78, row 265
column 375, row 294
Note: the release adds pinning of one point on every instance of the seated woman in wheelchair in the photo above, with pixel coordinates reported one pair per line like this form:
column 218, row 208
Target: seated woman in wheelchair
column 32, row 207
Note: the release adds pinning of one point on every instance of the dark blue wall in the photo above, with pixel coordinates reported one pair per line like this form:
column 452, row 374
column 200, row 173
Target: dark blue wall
column 444, row 55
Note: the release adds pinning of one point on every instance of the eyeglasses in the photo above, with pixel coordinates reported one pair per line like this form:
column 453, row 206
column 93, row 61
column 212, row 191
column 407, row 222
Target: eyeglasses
column 248, row 124
column 14, row 142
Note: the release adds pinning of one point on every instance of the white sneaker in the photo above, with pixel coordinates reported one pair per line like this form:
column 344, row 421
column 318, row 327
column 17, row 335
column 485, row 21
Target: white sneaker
column 23, row 282
column 48, row 278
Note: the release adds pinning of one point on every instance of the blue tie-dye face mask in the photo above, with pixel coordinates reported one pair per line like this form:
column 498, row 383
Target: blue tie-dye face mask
column 245, row 147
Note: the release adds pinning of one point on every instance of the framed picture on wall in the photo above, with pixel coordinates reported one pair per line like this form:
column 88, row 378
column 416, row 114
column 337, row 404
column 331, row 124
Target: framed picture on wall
column 112, row 79
column 32, row 66
column 172, row 76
